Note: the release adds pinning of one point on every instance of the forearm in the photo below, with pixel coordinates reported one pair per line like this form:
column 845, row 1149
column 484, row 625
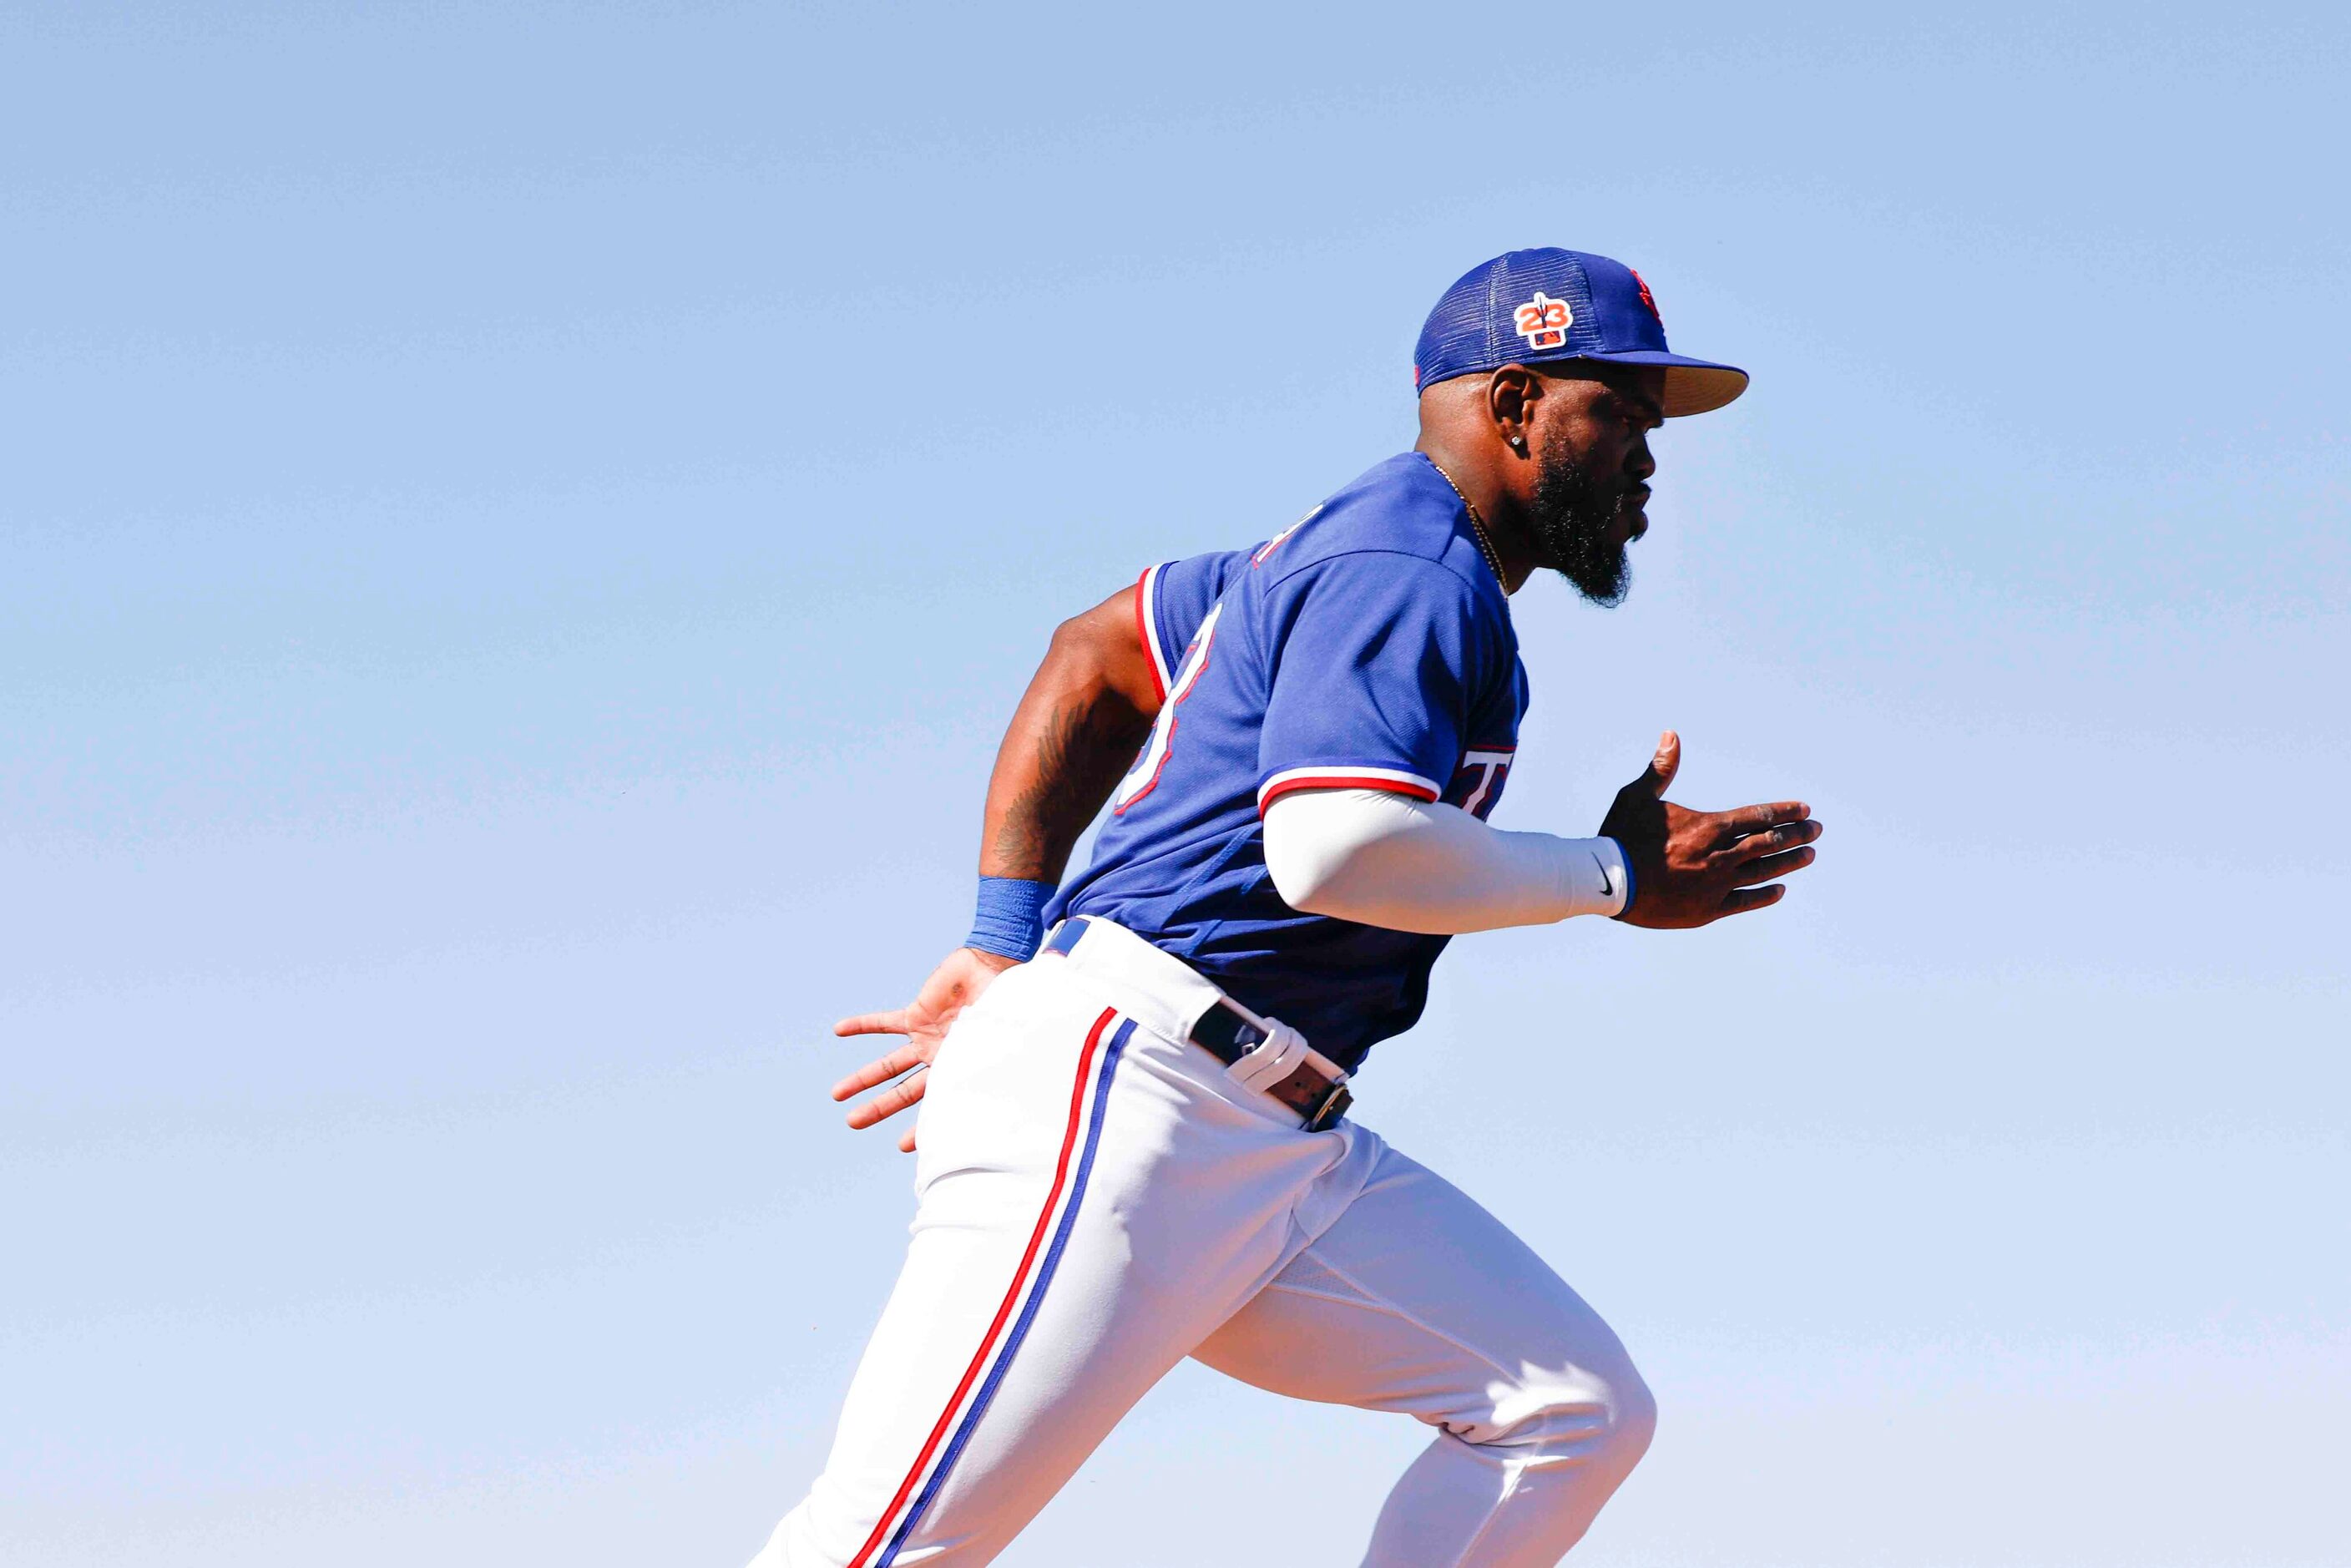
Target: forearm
column 1073, row 736
column 1390, row 861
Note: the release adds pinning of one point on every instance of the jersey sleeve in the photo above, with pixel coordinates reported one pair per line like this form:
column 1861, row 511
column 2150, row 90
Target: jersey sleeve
column 1171, row 600
column 1378, row 661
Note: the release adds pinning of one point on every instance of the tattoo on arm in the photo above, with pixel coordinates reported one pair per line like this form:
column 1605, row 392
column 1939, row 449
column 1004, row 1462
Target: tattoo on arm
column 1073, row 736
column 1085, row 744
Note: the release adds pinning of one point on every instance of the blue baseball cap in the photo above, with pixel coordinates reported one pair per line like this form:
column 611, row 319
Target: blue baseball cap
column 1532, row 305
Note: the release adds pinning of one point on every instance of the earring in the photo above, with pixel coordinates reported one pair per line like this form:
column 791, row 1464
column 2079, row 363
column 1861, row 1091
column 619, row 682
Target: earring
column 1517, row 444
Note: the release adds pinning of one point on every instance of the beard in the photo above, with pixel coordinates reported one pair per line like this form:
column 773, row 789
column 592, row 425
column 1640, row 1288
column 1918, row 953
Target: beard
column 1574, row 522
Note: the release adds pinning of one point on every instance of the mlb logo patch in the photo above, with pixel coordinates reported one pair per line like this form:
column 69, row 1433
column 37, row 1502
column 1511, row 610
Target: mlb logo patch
column 1544, row 321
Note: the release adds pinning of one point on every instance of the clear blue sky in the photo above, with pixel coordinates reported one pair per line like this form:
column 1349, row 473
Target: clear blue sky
column 519, row 527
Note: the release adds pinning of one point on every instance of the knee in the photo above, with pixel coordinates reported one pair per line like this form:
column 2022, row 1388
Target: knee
column 1633, row 1421
column 1599, row 1423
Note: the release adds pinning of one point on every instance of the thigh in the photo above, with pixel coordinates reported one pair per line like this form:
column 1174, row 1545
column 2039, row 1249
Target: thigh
column 1075, row 1236
column 1418, row 1301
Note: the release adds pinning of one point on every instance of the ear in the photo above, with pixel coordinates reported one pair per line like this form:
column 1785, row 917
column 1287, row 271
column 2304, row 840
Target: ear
column 1512, row 395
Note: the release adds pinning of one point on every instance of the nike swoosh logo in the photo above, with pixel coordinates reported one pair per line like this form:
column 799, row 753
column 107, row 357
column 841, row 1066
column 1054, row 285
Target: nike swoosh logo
column 1608, row 887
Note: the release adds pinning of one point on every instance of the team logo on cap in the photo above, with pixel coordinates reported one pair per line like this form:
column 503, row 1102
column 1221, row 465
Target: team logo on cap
column 1647, row 298
column 1544, row 321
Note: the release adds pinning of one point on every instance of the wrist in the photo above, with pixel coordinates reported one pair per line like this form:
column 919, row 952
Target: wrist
column 1621, row 865
column 1593, row 877
column 1008, row 919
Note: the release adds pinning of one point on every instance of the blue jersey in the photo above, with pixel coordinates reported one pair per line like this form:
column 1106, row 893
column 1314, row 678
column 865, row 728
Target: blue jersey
column 1368, row 645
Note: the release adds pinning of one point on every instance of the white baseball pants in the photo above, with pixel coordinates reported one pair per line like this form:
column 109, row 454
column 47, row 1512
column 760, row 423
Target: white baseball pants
column 1098, row 1199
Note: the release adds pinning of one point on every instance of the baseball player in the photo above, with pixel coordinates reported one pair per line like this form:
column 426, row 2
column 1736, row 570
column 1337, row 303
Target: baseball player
column 1135, row 1143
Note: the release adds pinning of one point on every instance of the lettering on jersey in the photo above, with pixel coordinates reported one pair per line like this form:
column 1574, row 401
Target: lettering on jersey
column 1647, row 298
column 1477, row 782
column 1544, row 321
column 1144, row 777
column 1274, row 543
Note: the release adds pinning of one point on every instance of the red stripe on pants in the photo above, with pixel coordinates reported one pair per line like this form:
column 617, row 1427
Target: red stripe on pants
column 1011, row 1296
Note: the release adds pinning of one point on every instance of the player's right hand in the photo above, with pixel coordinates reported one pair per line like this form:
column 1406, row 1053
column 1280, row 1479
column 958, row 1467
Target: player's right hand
column 1692, row 868
column 954, row 986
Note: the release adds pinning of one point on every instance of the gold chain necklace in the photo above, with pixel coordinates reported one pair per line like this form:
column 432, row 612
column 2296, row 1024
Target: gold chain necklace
column 1477, row 525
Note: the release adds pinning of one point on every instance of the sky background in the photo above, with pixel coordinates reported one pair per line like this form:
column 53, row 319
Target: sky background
column 519, row 528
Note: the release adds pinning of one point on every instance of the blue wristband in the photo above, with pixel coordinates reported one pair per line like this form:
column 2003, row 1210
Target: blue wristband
column 1010, row 920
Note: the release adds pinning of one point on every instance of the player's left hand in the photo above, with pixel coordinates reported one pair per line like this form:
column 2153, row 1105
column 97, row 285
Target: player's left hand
column 1693, row 868
column 954, row 986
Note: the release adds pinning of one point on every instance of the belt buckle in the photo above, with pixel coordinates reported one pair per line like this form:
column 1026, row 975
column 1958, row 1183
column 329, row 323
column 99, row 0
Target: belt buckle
column 1334, row 1105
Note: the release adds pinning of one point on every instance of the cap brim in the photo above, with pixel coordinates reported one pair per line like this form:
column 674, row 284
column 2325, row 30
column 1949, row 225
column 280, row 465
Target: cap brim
column 1692, row 386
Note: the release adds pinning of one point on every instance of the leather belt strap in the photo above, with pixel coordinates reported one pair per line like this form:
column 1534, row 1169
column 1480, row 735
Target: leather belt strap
column 1225, row 1032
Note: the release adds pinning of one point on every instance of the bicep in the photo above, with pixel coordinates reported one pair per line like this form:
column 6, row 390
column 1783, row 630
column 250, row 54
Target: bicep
column 1105, row 645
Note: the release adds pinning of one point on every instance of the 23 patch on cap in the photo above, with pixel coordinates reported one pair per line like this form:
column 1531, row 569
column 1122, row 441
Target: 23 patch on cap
column 1544, row 321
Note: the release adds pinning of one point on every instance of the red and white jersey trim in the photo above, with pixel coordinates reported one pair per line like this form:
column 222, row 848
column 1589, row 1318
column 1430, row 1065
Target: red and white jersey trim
column 1344, row 776
column 1147, row 623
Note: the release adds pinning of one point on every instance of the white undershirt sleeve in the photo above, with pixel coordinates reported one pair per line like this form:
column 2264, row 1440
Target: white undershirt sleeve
column 1389, row 860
